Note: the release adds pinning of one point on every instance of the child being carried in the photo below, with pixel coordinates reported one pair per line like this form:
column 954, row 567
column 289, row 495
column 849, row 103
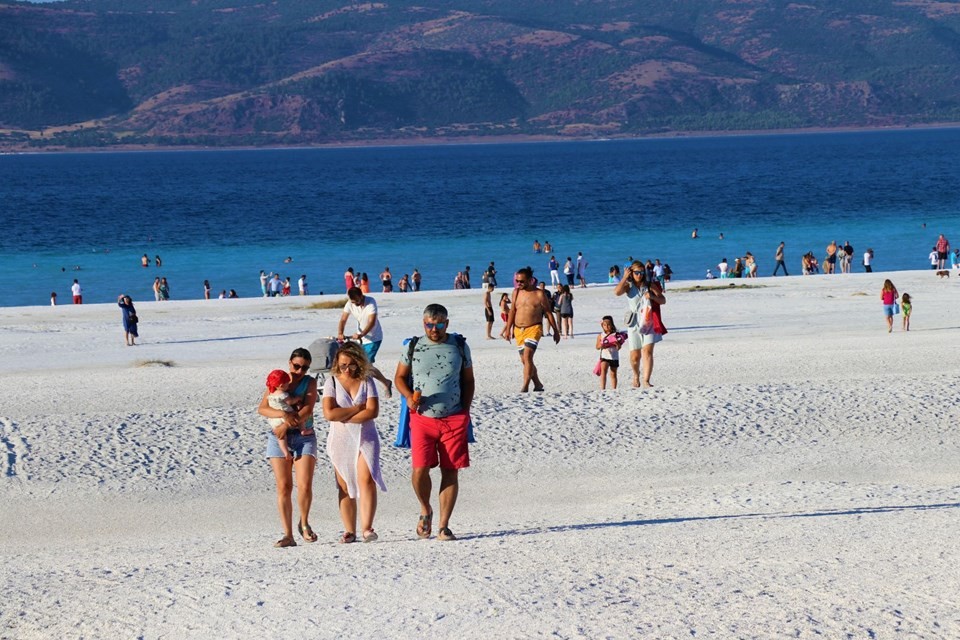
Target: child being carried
column 277, row 397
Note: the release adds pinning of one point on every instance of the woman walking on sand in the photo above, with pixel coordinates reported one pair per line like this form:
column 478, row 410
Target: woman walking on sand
column 297, row 429
column 888, row 296
column 644, row 326
column 164, row 289
column 565, row 302
column 350, row 403
column 130, row 320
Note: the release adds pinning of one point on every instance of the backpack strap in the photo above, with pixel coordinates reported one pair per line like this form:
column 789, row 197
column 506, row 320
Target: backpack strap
column 458, row 338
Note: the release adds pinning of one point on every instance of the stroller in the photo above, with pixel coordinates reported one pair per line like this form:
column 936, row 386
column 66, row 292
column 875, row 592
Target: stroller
column 324, row 352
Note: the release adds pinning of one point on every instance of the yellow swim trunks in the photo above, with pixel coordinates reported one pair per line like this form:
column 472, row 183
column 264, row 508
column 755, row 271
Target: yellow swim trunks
column 528, row 337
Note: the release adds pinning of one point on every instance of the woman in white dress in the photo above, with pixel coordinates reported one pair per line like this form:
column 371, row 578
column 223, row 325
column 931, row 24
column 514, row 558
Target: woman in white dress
column 350, row 403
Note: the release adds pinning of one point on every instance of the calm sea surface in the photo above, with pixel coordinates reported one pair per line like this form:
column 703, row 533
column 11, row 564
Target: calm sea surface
column 223, row 216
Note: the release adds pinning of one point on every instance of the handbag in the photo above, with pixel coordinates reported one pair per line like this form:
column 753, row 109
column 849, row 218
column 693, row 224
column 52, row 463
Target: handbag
column 629, row 318
column 646, row 320
column 597, row 369
column 896, row 308
column 134, row 319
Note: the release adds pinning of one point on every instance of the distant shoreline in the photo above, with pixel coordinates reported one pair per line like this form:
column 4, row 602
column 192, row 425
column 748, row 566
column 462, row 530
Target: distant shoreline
column 476, row 140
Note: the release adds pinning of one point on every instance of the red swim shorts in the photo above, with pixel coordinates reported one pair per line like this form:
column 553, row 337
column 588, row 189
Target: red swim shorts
column 439, row 441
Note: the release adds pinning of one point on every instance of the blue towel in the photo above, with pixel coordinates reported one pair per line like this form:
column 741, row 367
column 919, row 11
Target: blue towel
column 403, row 427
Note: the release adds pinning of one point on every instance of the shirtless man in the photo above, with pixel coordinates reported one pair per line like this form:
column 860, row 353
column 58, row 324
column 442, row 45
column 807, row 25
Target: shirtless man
column 525, row 323
column 488, row 309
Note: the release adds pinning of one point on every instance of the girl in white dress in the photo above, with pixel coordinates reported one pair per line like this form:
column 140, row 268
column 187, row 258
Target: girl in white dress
column 351, row 404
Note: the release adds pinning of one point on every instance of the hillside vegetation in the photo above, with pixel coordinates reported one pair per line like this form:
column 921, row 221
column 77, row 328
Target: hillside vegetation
column 229, row 72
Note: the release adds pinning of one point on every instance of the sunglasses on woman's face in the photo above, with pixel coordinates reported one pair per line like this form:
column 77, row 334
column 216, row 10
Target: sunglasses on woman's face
column 348, row 367
column 299, row 367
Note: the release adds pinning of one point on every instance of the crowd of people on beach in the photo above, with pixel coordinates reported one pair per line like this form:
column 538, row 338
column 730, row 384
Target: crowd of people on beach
column 434, row 378
column 838, row 258
column 434, row 375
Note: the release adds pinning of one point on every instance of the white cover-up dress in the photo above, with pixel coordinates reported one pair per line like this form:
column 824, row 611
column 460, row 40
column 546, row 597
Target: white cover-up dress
column 347, row 441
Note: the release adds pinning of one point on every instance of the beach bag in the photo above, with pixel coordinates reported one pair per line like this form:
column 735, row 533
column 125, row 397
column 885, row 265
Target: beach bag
column 629, row 318
column 646, row 320
column 896, row 308
column 597, row 368
column 134, row 319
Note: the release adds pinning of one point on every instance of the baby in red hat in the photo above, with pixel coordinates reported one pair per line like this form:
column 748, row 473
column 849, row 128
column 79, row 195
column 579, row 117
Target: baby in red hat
column 278, row 398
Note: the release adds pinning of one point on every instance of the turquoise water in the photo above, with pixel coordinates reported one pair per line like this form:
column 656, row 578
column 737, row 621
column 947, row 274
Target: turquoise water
column 225, row 215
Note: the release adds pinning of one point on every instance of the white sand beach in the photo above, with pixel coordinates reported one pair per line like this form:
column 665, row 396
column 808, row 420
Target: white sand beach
column 794, row 472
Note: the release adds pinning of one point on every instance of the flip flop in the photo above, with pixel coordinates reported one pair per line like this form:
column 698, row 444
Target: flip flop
column 285, row 541
column 348, row 537
column 425, row 525
column 307, row 532
column 445, row 534
column 370, row 535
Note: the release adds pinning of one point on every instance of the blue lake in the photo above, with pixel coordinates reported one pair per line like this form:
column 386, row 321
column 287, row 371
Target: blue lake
column 223, row 216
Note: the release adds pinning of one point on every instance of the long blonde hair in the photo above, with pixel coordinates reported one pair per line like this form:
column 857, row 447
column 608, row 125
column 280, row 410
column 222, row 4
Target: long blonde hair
column 356, row 353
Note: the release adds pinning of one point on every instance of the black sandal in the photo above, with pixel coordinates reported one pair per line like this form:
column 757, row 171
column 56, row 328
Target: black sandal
column 306, row 532
column 284, row 542
column 425, row 525
column 445, row 534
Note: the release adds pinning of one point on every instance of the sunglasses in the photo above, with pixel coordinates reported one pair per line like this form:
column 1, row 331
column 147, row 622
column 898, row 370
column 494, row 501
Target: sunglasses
column 348, row 367
column 435, row 325
column 299, row 367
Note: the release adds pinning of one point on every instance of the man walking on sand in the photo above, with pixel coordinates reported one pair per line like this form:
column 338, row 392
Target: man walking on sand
column 488, row 309
column 943, row 251
column 77, row 292
column 525, row 323
column 369, row 333
column 780, row 263
column 437, row 381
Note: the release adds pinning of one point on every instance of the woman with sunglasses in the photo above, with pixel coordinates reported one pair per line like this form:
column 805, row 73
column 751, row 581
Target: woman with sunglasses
column 351, row 404
column 297, row 430
column 644, row 328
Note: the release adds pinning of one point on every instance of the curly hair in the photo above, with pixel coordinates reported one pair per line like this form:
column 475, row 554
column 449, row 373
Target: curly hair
column 356, row 353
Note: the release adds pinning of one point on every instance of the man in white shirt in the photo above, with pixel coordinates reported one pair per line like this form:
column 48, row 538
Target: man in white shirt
column 302, row 284
column 276, row 285
column 364, row 310
column 77, row 292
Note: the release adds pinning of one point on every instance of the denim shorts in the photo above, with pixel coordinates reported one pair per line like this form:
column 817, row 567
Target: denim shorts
column 299, row 445
column 888, row 310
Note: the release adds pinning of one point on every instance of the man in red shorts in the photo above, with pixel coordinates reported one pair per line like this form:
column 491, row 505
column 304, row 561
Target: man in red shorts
column 437, row 382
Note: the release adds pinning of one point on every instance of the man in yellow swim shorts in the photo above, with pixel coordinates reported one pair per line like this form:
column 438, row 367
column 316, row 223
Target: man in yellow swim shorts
column 530, row 306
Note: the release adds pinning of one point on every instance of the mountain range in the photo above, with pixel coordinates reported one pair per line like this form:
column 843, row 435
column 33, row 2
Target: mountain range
column 88, row 73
